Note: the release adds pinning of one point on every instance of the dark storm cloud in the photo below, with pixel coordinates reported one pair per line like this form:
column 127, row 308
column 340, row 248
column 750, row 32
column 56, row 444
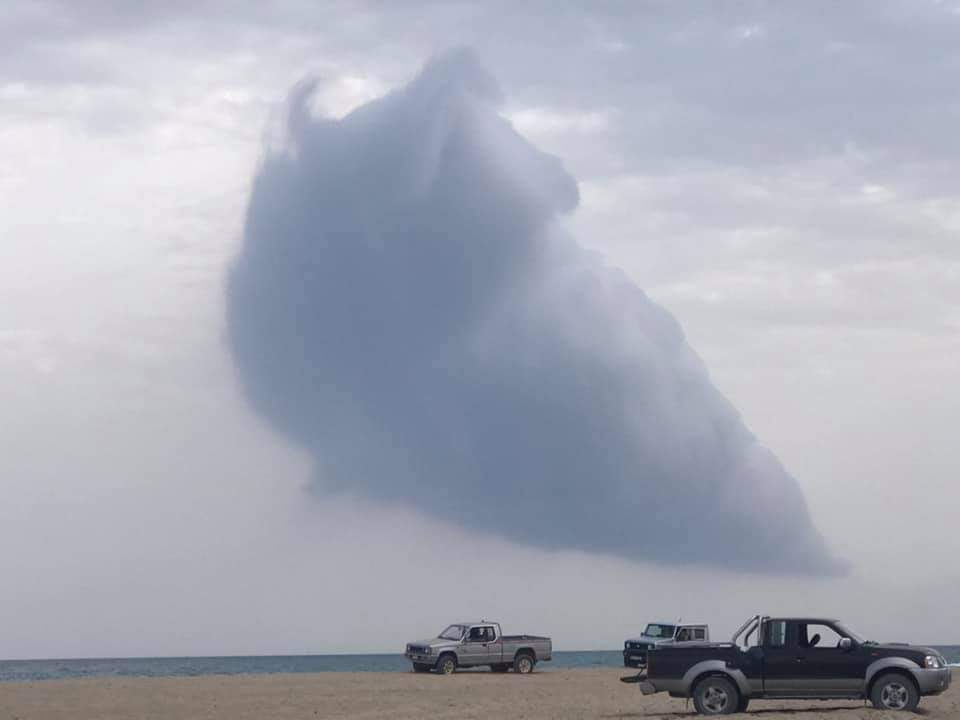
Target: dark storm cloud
column 404, row 308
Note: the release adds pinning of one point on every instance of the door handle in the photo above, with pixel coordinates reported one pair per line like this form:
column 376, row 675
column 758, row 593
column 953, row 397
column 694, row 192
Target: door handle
column 801, row 659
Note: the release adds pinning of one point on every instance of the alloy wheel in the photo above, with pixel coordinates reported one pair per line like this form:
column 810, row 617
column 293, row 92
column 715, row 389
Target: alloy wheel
column 715, row 699
column 894, row 696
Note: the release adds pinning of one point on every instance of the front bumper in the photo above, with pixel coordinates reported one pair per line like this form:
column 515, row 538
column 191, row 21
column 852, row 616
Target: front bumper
column 933, row 682
column 421, row 659
column 637, row 656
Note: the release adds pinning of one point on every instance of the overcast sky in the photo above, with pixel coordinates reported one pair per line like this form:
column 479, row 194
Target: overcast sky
column 782, row 178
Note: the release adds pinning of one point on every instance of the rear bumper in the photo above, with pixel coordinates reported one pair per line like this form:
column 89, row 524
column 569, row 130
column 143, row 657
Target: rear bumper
column 647, row 687
column 933, row 682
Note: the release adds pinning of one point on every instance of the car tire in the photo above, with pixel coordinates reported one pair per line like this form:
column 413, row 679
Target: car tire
column 716, row 695
column 500, row 668
column 447, row 664
column 894, row 691
column 421, row 667
column 743, row 704
column 523, row 663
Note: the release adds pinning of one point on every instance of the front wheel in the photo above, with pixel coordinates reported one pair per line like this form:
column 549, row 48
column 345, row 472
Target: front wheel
column 523, row 663
column 447, row 664
column 743, row 704
column 894, row 692
column 715, row 696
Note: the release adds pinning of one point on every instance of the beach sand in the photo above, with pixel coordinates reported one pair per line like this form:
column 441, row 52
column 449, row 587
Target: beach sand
column 546, row 695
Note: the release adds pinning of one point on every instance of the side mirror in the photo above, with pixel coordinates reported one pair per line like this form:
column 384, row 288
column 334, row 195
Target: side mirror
column 845, row 644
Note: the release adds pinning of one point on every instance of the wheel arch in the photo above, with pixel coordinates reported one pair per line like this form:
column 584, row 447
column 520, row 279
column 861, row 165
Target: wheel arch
column 526, row 651
column 892, row 670
column 885, row 665
column 444, row 653
column 715, row 667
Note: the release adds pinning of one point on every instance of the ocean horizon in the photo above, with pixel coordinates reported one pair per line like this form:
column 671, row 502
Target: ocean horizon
column 62, row 669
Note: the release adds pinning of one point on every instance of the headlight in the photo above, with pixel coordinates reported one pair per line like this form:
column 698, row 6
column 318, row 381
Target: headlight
column 932, row 662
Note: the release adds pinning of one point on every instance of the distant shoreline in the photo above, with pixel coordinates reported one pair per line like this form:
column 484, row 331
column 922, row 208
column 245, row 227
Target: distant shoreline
column 104, row 658
column 35, row 670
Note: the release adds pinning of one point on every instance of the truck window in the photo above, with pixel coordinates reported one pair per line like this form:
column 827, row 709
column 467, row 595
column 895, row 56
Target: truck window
column 776, row 633
column 817, row 635
column 453, row 632
column 659, row 631
column 482, row 633
column 699, row 634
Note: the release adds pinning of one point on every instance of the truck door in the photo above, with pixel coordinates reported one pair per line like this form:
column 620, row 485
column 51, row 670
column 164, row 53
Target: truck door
column 780, row 672
column 823, row 666
column 477, row 646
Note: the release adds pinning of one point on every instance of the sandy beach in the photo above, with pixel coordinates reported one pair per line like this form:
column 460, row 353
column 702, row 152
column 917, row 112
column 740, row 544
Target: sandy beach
column 547, row 695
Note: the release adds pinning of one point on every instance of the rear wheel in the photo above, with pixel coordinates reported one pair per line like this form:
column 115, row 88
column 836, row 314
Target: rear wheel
column 421, row 667
column 447, row 664
column 500, row 667
column 894, row 691
column 715, row 695
column 523, row 663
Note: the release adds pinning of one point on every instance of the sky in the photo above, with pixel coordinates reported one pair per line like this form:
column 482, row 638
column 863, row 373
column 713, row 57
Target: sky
column 781, row 180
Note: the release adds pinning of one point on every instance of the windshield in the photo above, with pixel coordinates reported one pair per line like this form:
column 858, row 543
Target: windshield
column 847, row 632
column 660, row 631
column 454, row 632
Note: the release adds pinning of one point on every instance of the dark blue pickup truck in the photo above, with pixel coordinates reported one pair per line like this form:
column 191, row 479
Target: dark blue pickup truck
column 793, row 658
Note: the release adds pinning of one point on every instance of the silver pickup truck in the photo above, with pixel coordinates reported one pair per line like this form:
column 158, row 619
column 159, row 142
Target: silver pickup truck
column 477, row 644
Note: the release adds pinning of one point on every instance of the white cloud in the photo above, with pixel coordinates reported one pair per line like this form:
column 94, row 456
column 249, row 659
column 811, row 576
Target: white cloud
column 536, row 122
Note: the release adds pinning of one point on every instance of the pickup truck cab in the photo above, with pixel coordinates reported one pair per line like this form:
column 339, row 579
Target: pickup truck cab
column 815, row 658
column 477, row 644
column 635, row 648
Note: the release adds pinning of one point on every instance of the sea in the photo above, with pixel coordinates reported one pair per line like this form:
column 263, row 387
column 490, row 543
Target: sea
column 35, row 670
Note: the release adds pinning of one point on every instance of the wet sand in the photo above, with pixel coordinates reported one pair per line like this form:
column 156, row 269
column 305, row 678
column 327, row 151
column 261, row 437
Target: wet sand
column 547, row 695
